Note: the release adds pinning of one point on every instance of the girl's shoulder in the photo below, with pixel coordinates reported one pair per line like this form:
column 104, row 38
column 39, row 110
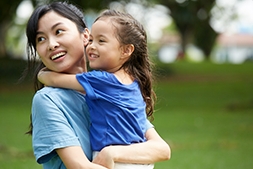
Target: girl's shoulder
column 99, row 74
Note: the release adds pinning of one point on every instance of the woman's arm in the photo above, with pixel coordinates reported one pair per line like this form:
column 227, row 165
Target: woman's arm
column 54, row 79
column 73, row 157
column 155, row 149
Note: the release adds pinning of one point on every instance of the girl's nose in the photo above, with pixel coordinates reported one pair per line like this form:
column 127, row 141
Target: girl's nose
column 92, row 46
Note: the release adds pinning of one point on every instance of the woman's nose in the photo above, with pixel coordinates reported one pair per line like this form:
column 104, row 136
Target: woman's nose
column 53, row 44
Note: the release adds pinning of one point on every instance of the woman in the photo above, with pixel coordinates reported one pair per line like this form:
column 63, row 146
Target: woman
column 118, row 54
column 60, row 117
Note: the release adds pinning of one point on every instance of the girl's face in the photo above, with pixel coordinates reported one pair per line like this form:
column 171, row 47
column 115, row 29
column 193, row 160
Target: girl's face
column 60, row 45
column 104, row 50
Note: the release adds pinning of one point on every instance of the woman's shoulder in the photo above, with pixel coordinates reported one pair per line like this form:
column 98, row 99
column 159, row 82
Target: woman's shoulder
column 56, row 93
column 54, row 90
column 50, row 96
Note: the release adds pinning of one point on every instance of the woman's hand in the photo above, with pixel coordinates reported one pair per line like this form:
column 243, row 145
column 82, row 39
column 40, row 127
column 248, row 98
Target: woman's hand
column 153, row 150
column 105, row 158
column 73, row 157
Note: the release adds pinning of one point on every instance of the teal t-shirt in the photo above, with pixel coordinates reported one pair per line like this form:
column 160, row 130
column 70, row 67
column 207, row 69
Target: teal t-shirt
column 60, row 119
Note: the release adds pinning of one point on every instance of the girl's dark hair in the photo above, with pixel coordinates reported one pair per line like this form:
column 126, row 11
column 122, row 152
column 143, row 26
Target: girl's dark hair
column 129, row 31
column 64, row 9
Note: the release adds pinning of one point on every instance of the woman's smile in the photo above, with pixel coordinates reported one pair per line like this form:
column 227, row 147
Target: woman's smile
column 58, row 55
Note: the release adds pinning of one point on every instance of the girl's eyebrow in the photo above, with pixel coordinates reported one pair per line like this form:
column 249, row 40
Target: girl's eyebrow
column 101, row 35
column 52, row 28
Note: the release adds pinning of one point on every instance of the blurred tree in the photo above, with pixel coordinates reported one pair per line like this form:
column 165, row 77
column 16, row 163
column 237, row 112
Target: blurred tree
column 92, row 4
column 192, row 18
column 7, row 13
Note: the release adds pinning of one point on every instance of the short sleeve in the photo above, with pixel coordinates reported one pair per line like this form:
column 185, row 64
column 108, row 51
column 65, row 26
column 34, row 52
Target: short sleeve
column 51, row 129
column 148, row 125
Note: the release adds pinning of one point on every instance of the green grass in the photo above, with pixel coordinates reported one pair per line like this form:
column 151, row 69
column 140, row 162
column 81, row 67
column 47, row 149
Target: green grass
column 15, row 145
column 204, row 111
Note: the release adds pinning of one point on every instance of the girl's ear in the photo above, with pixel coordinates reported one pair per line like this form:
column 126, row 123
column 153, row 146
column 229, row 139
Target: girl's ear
column 86, row 34
column 127, row 50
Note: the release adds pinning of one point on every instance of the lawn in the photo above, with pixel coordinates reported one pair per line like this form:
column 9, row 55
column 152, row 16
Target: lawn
column 204, row 111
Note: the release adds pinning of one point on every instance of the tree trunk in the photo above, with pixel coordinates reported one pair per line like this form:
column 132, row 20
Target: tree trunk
column 3, row 30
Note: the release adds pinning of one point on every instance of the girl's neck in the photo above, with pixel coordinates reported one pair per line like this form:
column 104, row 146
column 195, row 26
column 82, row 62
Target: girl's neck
column 123, row 77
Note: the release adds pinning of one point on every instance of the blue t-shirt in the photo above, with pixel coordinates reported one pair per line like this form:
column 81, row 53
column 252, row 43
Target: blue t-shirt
column 117, row 111
column 60, row 119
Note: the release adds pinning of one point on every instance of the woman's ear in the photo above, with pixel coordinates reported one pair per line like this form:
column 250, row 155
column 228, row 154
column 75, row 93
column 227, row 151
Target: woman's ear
column 127, row 50
column 86, row 35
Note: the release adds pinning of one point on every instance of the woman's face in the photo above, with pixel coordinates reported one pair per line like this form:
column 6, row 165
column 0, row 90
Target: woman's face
column 60, row 45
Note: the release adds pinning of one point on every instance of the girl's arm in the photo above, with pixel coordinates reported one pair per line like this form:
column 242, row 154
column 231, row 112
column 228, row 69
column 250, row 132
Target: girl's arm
column 73, row 157
column 54, row 79
column 155, row 149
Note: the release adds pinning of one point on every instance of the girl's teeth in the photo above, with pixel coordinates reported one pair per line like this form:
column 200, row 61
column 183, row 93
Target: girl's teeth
column 93, row 56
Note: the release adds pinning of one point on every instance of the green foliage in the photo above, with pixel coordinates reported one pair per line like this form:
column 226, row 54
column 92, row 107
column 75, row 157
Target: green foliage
column 94, row 4
column 7, row 14
column 11, row 70
column 194, row 116
column 8, row 10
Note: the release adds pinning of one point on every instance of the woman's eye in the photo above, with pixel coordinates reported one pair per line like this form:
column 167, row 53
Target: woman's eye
column 39, row 39
column 58, row 31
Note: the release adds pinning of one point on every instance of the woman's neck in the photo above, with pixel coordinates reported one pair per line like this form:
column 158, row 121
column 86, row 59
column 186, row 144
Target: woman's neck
column 79, row 67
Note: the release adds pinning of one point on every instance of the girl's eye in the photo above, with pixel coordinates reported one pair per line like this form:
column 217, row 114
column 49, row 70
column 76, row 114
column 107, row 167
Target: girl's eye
column 90, row 40
column 101, row 40
column 58, row 31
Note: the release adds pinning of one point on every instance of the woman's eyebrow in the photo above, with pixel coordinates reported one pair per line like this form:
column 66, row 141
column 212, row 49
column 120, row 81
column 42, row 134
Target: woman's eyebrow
column 55, row 25
column 52, row 28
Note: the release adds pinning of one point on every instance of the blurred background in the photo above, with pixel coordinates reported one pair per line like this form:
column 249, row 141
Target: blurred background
column 218, row 30
column 203, row 51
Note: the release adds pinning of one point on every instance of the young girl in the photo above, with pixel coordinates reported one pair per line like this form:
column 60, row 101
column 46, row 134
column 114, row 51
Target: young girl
column 119, row 93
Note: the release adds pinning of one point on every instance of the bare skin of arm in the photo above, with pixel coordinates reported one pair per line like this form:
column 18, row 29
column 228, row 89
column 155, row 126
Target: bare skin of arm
column 73, row 157
column 60, row 80
column 155, row 149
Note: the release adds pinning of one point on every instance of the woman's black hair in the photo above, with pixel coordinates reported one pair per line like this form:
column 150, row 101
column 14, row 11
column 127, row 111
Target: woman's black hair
column 64, row 9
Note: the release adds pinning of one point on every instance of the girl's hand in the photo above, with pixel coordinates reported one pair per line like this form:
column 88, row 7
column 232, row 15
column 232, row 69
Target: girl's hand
column 41, row 76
